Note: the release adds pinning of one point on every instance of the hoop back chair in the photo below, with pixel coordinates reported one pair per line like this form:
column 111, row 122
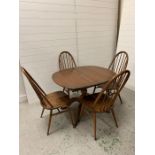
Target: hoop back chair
column 66, row 61
column 118, row 64
column 56, row 100
column 104, row 101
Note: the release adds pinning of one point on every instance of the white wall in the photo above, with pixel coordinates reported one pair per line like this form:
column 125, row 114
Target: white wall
column 96, row 31
column 46, row 28
column 126, row 38
column 86, row 28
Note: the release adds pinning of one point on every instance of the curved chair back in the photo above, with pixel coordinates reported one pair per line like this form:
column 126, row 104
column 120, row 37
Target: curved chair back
column 66, row 60
column 38, row 90
column 119, row 62
column 112, row 89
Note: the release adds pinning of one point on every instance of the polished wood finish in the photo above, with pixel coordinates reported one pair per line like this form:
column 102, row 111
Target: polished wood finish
column 94, row 122
column 42, row 113
column 54, row 101
column 66, row 60
column 49, row 122
column 104, row 101
column 82, row 77
column 119, row 95
column 119, row 62
column 113, row 114
column 117, row 65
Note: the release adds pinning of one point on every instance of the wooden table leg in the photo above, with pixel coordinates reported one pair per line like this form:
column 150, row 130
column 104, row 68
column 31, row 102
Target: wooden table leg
column 78, row 114
column 84, row 92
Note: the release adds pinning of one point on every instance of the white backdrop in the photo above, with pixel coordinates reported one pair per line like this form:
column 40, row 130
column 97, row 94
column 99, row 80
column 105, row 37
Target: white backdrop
column 86, row 28
column 127, row 37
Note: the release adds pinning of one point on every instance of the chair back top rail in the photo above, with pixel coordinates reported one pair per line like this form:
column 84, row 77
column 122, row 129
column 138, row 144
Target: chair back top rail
column 38, row 90
column 66, row 60
column 119, row 62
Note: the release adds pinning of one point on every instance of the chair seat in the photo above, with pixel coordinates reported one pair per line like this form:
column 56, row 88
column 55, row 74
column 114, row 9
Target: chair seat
column 100, row 106
column 58, row 99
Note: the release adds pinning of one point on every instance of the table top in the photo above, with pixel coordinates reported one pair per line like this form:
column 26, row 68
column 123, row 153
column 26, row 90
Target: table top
column 82, row 77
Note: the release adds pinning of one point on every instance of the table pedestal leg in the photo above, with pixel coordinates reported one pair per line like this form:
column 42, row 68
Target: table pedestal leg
column 83, row 93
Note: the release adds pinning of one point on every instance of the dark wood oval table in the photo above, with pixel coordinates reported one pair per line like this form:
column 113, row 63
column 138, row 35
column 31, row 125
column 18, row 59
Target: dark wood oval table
column 82, row 77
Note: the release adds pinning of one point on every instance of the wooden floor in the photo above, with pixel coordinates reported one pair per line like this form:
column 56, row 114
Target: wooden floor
column 65, row 140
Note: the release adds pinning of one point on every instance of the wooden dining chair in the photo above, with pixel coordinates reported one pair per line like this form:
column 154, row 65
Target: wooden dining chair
column 66, row 61
column 54, row 101
column 118, row 64
column 104, row 101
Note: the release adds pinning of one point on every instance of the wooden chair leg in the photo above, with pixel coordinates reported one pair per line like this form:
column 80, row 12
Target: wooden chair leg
column 49, row 123
column 94, row 122
column 71, row 116
column 94, row 89
column 113, row 114
column 120, row 98
column 42, row 113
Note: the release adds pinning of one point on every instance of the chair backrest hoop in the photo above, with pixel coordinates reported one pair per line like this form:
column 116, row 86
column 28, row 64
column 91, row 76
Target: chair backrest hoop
column 66, row 60
column 119, row 62
column 113, row 87
column 38, row 90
